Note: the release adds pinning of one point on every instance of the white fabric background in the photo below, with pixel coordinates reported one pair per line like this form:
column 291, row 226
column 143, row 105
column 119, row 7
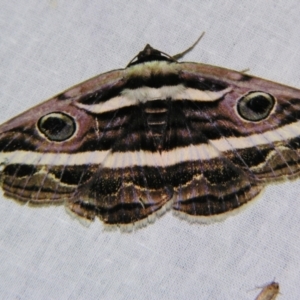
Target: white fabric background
column 48, row 46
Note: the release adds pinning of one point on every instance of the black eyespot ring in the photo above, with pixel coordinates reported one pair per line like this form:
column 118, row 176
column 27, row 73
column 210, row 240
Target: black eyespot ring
column 255, row 106
column 57, row 126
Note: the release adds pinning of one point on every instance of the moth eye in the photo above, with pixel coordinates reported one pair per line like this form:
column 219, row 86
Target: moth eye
column 57, row 126
column 255, row 106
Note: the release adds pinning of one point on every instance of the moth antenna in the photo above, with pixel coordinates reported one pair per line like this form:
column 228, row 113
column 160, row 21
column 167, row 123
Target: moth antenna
column 182, row 54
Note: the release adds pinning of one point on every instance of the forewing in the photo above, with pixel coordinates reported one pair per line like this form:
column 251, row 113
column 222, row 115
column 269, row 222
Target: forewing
column 65, row 151
column 245, row 139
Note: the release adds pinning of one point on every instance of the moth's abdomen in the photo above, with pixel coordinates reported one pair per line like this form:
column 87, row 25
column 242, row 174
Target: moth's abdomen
column 156, row 114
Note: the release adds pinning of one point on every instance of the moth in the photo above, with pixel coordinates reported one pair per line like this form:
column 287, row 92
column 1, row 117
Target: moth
column 269, row 292
column 128, row 144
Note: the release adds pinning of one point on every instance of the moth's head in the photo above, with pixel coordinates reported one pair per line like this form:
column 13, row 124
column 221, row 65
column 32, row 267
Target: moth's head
column 150, row 54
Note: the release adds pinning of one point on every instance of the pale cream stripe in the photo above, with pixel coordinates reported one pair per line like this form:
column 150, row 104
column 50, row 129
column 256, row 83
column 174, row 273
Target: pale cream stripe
column 131, row 97
column 147, row 158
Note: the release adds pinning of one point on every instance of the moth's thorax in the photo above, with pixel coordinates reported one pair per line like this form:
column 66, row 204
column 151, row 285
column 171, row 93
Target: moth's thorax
column 152, row 68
